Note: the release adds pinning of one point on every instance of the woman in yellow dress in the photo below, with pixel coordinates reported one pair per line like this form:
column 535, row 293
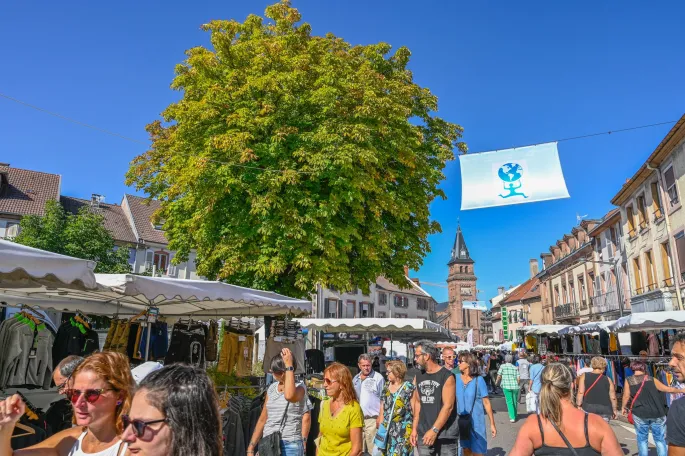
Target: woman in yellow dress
column 341, row 419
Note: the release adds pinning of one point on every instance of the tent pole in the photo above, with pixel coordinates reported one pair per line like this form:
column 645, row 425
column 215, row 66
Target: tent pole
column 391, row 345
column 367, row 341
column 147, row 343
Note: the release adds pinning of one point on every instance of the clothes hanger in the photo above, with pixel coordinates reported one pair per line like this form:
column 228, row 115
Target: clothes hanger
column 28, row 430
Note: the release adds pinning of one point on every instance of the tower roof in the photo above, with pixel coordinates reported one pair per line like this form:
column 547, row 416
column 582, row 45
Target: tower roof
column 460, row 253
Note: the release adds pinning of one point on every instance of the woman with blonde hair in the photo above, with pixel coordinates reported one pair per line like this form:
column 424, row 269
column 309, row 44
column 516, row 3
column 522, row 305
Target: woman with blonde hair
column 396, row 413
column 596, row 392
column 100, row 393
column 341, row 419
column 555, row 430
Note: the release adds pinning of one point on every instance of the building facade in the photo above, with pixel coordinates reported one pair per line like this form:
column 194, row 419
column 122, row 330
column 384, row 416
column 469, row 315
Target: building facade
column 654, row 226
column 568, row 276
column 523, row 305
column 611, row 298
column 461, row 286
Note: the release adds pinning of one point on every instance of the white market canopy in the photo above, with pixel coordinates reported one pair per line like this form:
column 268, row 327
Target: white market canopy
column 649, row 321
column 544, row 329
column 588, row 328
column 27, row 267
column 401, row 329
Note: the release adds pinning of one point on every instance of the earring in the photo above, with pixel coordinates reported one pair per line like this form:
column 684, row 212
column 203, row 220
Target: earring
column 119, row 402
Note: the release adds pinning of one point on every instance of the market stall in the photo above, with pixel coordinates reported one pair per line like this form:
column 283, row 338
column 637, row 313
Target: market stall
column 649, row 321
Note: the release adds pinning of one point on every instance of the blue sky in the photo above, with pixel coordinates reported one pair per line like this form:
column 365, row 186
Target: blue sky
column 509, row 73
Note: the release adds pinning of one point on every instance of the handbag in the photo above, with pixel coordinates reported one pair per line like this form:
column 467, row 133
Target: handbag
column 464, row 419
column 631, row 420
column 271, row 444
column 531, row 402
column 380, row 441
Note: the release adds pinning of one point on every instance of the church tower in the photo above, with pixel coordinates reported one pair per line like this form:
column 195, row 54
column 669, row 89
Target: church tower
column 461, row 284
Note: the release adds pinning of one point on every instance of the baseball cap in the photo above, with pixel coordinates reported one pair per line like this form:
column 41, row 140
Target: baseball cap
column 142, row 371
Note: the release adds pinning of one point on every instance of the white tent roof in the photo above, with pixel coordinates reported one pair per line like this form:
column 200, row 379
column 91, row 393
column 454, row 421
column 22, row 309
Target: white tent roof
column 650, row 321
column 409, row 329
column 22, row 266
column 544, row 329
column 587, row 328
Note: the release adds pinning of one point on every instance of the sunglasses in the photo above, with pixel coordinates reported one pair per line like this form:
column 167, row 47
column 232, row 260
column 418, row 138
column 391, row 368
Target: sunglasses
column 328, row 381
column 61, row 386
column 139, row 426
column 91, row 395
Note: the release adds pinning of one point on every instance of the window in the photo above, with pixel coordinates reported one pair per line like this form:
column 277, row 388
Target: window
column 348, row 310
column 365, row 309
column 591, row 283
column 651, row 272
column 572, row 292
column 401, row 301
column 11, row 230
column 161, row 260
column 656, row 200
column 381, row 314
column 557, row 299
column 382, row 299
column 159, row 225
column 422, row 304
column 666, row 264
column 331, row 308
column 612, row 242
column 583, row 292
column 671, row 186
column 399, row 315
column 638, row 276
column 680, row 250
column 630, row 216
column 641, row 213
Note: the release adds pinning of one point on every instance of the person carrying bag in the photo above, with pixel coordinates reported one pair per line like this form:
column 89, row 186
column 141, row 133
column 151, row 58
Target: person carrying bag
column 270, row 445
column 465, row 421
column 380, row 441
column 631, row 420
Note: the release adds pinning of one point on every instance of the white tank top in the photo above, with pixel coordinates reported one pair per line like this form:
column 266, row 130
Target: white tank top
column 114, row 450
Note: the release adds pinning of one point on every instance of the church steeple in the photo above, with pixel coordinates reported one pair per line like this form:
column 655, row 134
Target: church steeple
column 460, row 253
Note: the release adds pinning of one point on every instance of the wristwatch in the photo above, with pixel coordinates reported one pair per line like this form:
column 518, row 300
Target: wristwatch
column 436, row 430
column 289, row 369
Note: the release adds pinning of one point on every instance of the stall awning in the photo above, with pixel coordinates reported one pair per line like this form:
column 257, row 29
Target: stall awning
column 650, row 321
column 587, row 328
column 401, row 329
column 544, row 329
column 26, row 267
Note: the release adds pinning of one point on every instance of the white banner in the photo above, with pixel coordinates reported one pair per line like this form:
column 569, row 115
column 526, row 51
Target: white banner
column 512, row 176
column 469, row 338
column 474, row 305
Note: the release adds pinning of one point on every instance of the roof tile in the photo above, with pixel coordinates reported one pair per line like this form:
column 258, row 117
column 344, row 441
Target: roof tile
column 28, row 191
column 115, row 219
column 142, row 211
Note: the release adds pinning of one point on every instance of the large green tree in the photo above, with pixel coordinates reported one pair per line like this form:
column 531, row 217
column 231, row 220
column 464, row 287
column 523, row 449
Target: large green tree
column 81, row 235
column 294, row 159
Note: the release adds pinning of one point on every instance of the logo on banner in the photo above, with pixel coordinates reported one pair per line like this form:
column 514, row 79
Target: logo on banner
column 510, row 175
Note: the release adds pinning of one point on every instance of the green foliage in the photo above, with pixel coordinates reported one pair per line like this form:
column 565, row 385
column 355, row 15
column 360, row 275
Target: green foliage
column 294, row 159
column 82, row 236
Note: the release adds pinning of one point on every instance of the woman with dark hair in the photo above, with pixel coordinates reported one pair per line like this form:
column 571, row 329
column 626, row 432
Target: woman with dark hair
column 285, row 404
column 556, row 431
column 641, row 396
column 472, row 398
column 175, row 412
column 100, row 393
column 341, row 419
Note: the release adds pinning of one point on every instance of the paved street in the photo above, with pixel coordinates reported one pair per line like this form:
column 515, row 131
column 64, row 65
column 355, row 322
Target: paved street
column 507, row 432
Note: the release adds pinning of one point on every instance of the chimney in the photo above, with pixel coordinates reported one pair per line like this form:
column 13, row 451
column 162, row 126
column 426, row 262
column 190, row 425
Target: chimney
column 406, row 270
column 500, row 290
column 4, row 178
column 96, row 199
column 534, row 267
column 4, row 167
column 416, row 281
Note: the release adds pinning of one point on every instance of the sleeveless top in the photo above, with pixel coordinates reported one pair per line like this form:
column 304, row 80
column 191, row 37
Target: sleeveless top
column 115, row 450
column 545, row 450
column 597, row 400
column 650, row 402
column 275, row 408
column 430, row 394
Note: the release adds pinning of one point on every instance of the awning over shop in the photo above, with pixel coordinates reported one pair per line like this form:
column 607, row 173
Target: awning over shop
column 22, row 267
column 401, row 329
column 650, row 321
column 544, row 329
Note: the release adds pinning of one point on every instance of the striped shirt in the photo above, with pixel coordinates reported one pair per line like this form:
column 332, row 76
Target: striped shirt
column 275, row 408
column 510, row 376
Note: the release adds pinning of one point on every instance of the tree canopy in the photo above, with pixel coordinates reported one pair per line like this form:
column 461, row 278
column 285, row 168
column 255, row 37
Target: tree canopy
column 81, row 235
column 293, row 159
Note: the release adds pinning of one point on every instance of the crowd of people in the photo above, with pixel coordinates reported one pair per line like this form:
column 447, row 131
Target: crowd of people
column 441, row 408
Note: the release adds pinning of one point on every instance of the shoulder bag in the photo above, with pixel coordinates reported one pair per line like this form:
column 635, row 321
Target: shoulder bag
column 631, row 420
column 380, row 441
column 271, row 444
column 464, row 419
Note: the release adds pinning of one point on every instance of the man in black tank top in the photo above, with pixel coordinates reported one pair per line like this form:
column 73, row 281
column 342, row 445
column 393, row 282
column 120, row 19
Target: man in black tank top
column 435, row 431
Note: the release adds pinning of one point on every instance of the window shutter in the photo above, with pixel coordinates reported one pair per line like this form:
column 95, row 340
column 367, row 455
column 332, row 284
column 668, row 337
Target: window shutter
column 680, row 247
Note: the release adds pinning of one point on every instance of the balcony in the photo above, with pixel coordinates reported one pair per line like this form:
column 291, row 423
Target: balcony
column 569, row 310
column 652, row 301
column 605, row 303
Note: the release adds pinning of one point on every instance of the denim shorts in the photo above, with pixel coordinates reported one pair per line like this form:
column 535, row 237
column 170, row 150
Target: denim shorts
column 294, row 448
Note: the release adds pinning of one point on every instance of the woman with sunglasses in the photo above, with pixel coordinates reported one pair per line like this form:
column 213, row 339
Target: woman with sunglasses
column 285, row 405
column 341, row 419
column 472, row 399
column 100, row 392
column 175, row 412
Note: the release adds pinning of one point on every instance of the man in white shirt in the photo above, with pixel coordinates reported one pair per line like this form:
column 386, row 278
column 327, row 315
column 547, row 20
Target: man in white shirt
column 369, row 386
